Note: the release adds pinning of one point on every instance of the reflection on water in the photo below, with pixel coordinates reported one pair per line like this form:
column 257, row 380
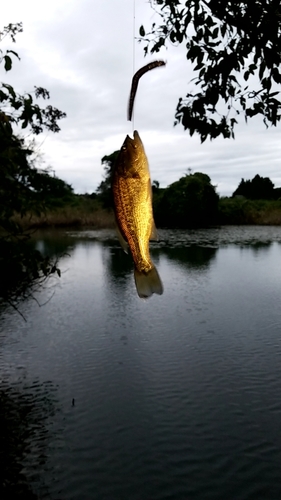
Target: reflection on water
column 176, row 396
column 191, row 257
column 52, row 243
column 25, row 412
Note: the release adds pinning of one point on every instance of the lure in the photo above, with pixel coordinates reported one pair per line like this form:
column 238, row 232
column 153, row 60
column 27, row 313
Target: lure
column 135, row 82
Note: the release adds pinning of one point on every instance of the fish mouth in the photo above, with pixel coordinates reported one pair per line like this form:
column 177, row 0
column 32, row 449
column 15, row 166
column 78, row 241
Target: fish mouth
column 135, row 141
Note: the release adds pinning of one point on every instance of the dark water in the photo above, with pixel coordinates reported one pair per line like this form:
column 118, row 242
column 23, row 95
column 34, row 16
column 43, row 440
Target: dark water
column 177, row 397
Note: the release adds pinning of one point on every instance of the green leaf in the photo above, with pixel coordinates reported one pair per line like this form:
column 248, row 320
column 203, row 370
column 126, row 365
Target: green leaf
column 202, row 72
column 199, row 66
column 8, row 63
column 10, row 89
column 3, row 96
column 276, row 75
column 223, row 30
column 13, row 52
column 215, row 32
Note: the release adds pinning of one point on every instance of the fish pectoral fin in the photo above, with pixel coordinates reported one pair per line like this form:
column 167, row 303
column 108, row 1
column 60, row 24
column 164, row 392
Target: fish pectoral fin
column 122, row 242
column 148, row 283
column 154, row 233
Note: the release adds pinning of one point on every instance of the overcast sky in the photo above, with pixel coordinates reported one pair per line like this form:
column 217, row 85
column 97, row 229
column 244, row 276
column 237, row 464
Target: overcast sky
column 82, row 52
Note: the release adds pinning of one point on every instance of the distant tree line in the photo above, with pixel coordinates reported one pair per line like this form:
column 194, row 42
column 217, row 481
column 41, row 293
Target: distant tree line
column 192, row 201
column 258, row 188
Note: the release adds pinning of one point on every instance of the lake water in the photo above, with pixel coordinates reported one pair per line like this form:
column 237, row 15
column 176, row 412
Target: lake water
column 175, row 397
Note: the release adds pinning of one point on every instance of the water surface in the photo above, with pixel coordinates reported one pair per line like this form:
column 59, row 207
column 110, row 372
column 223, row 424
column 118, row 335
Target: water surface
column 175, row 397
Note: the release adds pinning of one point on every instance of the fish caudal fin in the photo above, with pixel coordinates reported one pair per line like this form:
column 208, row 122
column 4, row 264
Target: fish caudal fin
column 148, row 283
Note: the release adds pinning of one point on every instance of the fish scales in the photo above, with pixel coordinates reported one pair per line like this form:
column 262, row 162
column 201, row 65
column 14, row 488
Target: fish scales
column 133, row 217
column 132, row 196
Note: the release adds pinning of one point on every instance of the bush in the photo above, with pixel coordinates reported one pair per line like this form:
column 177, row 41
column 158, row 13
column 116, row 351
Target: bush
column 191, row 201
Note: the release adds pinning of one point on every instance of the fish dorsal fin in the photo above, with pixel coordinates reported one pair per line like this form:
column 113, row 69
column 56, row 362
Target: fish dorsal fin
column 153, row 234
column 122, row 241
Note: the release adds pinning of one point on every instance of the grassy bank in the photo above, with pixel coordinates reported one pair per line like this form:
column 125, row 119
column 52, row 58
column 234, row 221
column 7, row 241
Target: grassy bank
column 82, row 211
column 243, row 211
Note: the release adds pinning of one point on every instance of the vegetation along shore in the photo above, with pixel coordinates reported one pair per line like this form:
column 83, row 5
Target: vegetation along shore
column 191, row 201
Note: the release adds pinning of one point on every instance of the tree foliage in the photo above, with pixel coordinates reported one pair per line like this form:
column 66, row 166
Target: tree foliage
column 191, row 201
column 24, row 189
column 21, row 110
column 104, row 189
column 259, row 188
column 235, row 51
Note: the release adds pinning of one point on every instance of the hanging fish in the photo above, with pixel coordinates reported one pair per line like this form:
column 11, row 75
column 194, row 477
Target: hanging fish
column 135, row 82
column 132, row 195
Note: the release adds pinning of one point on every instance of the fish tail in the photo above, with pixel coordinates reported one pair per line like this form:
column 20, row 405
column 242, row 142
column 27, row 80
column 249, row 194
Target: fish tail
column 148, row 283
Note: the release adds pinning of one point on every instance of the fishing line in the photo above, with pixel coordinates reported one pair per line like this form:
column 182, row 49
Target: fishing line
column 134, row 49
column 139, row 73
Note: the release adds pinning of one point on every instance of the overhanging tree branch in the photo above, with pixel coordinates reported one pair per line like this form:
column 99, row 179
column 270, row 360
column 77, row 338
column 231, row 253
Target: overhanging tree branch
column 235, row 50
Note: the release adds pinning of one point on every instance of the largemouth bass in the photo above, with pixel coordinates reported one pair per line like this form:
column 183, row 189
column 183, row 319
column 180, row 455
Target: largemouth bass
column 132, row 196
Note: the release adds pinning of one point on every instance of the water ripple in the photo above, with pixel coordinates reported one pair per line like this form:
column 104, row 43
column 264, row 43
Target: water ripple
column 172, row 398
